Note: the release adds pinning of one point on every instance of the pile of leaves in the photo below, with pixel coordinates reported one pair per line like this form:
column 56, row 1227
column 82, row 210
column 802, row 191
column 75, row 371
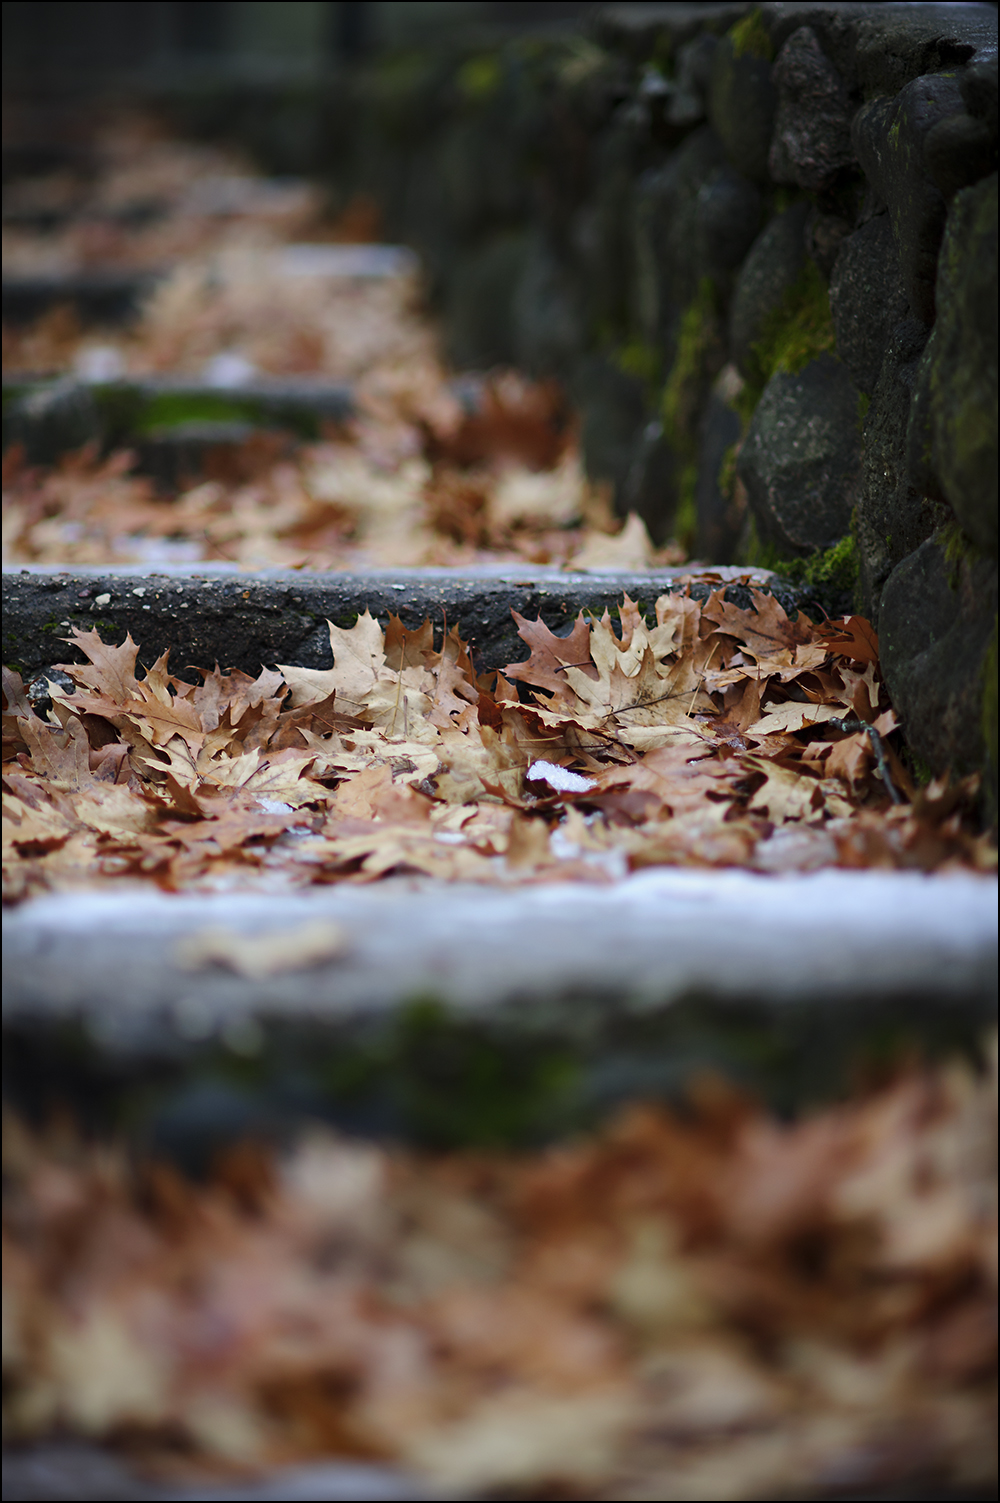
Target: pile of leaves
column 717, row 736
column 704, row 1305
column 428, row 471
column 418, row 477
column 131, row 195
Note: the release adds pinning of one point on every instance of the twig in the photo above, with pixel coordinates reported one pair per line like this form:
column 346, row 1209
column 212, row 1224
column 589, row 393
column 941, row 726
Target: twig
column 878, row 750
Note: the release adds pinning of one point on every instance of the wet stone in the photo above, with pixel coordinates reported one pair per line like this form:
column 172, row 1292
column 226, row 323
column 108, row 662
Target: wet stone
column 768, row 274
column 959, row 375
column 812, row 126
column 895, row 513
column 801, row 459
column 936, row 621
column 867, row 299
column 979, row 89
column 889, row 138
column 741, row 108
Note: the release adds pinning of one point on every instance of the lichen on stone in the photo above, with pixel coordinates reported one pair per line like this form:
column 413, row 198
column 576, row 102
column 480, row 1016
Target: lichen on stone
column 750, row 39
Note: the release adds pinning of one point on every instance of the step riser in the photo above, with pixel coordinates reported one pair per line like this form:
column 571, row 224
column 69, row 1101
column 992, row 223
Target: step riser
column 249, row 620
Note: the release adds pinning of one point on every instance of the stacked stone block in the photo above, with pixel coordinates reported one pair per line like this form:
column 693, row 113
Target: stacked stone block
column 758, row 244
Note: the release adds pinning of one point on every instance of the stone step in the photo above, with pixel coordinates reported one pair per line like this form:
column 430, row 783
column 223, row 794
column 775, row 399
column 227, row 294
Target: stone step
column 53, row 417
column 579, row 996
column 207, row 613
column 100, row 296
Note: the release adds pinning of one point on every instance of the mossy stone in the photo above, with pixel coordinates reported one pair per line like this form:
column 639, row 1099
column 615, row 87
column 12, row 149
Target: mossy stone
column 770, row 271
column 889, row 137
column 867, row 299
column 962, row 364
column 801, row 459
column 742, row 100
column 936, row 625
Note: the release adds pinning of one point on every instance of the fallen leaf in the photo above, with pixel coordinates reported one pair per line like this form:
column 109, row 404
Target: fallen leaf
column 269, row 954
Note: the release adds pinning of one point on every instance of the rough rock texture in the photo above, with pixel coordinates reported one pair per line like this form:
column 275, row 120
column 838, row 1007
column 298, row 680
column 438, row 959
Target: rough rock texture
column 205, row 613
column 935, row 624
column 895, row 515
column 627, row 981
column 867, row 300
column 979, row 89
column 741, row 108
column 801, row 459
column 958, row 151
column 776, row 258
column 889, row 138
column 961, row 365
column 812, row 125
column 633, row 210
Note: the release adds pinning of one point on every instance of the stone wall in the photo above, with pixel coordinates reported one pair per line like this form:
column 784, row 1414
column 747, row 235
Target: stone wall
column 759, row 247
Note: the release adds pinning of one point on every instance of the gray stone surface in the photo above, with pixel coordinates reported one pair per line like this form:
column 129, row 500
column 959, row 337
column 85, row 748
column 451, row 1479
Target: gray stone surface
column 867, row 299
column 801, row 458
column 879, row 47
column 895, row 514
column 51, row 417
column 768, row 274
column 559, row 958
column 958, row 151
column 812, row 127
column 208, row 613
column 825, row 235
column 741, row 108
column 961, row 365
column 979, row 88
column 936, row 620
column 889, row 138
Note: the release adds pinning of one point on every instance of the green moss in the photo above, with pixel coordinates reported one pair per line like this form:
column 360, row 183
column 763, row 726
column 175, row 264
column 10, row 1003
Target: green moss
column 639, row 360
column 685, row 526
column 727, row 471
column 800, row 329
column 172, row 409
column 449, row 1081
column 479, row 78
column 682, row 393
column 957, row 548
column 832, row 573
column 750, row 39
